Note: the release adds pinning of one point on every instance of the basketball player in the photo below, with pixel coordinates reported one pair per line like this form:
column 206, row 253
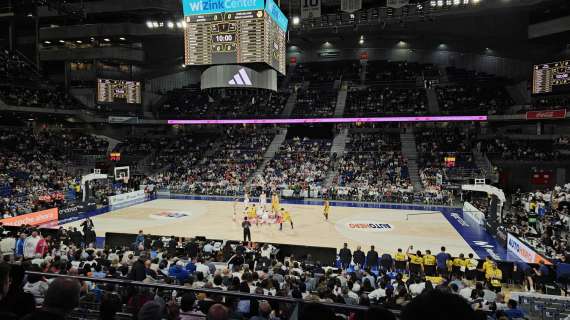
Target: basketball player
column 326, row 209
column 265, row 217
column 274, row 203
column 235, row 209
column 252, row 214
column 284, row 216
column 262, row 201
column 246, row 225
column 246, row 201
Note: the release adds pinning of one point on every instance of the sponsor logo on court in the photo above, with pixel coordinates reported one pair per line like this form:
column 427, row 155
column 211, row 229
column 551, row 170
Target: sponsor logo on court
column 369, row 226
column 169, row 215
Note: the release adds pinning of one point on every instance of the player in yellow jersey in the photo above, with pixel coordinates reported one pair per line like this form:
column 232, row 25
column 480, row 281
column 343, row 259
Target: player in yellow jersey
column 429, row 264
column 326, row 209
column 458, row 268
column 252, row 213
column 400, row 261
column 274, row 203
column 284, row 216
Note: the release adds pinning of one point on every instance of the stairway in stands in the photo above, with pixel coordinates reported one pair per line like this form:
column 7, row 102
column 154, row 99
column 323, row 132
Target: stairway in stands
column 337, row 151
column 289, row 105
column 433, row 104
column 341, row 100
column 485, row 166
column 269, row 153
column 408, row 141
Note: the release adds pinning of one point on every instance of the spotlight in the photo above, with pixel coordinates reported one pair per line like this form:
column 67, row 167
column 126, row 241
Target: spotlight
column 440, row 3
column 456, row 2
column 47, row 42
column 149, row 24
column 79, row 41
column 296, row 20
column 61, row 41
column 170, row 24
column 184, row 24
column 106, row 39
column 122, row 39
column 361, row 41
column 179, row 25
column 352, row 16
column 155, row 24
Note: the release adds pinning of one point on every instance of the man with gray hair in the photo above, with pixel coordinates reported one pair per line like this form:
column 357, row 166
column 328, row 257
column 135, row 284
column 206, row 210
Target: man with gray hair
column 264, row 311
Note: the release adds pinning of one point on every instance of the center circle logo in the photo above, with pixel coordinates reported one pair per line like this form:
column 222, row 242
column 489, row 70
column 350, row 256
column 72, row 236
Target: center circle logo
column 369, row 226
column 168, row 215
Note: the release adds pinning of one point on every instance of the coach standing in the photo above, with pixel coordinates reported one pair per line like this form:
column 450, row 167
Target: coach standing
column 345, row 256
column 372, row 258
column 359, row 257
column 246, row 225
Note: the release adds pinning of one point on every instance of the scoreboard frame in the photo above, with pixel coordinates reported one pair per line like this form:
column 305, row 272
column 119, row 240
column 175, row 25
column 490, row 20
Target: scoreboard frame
column 543, row 82
column 245, row 32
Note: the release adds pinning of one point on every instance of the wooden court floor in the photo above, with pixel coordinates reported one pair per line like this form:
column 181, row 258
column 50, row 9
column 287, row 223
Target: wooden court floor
column 387, row 229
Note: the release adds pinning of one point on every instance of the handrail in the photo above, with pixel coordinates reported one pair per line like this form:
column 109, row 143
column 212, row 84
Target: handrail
column 237, row 294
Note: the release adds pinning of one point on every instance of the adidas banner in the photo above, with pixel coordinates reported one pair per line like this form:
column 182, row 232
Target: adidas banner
column 229, row 76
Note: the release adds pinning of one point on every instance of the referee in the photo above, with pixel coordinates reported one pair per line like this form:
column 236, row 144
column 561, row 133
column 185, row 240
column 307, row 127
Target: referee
column 246, row 232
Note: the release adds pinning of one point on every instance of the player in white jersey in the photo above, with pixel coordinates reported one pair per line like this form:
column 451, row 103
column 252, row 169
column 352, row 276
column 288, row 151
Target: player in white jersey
column 263, row 201
column 246, row 201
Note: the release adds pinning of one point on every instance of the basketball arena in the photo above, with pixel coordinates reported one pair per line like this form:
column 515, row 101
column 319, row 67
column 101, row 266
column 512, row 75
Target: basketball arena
column 284, row 159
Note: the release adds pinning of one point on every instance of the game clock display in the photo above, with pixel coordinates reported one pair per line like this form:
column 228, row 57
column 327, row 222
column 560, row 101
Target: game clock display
column 227, row 33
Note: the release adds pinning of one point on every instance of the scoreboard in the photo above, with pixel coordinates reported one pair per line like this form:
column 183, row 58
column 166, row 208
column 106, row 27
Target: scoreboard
column 551, row 78
column 234, row 32
column 118, row 91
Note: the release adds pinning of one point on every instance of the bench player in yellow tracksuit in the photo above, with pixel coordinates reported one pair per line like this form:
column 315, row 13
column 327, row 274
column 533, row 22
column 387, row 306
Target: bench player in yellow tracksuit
column 326, row 210
column 429, row 264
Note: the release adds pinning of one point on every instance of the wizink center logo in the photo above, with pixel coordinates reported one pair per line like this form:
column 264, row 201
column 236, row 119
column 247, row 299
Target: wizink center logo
column 192, row 7
column 241, row 78
column 368, row 226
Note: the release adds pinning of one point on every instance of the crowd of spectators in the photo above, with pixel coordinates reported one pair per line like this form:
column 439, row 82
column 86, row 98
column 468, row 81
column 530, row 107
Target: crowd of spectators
column 541, row 218
column 391, row 71
column 34, row 97
column 215, row 164
column 301, row 164
column 372, row 169
column 416, row 283
column 374, row 101
column 551, row 102
column 315, row 103
column 33, row 167
column 13, row 67
column 473, row 98
column 223, row 103
column 505, row 148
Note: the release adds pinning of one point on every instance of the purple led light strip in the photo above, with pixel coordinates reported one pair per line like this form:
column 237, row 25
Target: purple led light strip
column 333, row 120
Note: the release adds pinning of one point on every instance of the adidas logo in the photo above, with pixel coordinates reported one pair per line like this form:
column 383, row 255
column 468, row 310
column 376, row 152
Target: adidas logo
column 241, row 78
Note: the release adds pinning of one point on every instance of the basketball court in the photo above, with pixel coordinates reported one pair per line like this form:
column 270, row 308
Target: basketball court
column 386, row 229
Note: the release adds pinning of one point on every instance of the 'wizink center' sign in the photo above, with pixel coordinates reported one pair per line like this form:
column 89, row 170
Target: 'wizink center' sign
column 193, row 7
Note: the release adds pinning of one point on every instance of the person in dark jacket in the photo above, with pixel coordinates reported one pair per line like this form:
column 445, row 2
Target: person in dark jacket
column 76, row 237
column 359, row 257
column 138, row 271
column 345, row 256
column 16, row 301
column 372, row 258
